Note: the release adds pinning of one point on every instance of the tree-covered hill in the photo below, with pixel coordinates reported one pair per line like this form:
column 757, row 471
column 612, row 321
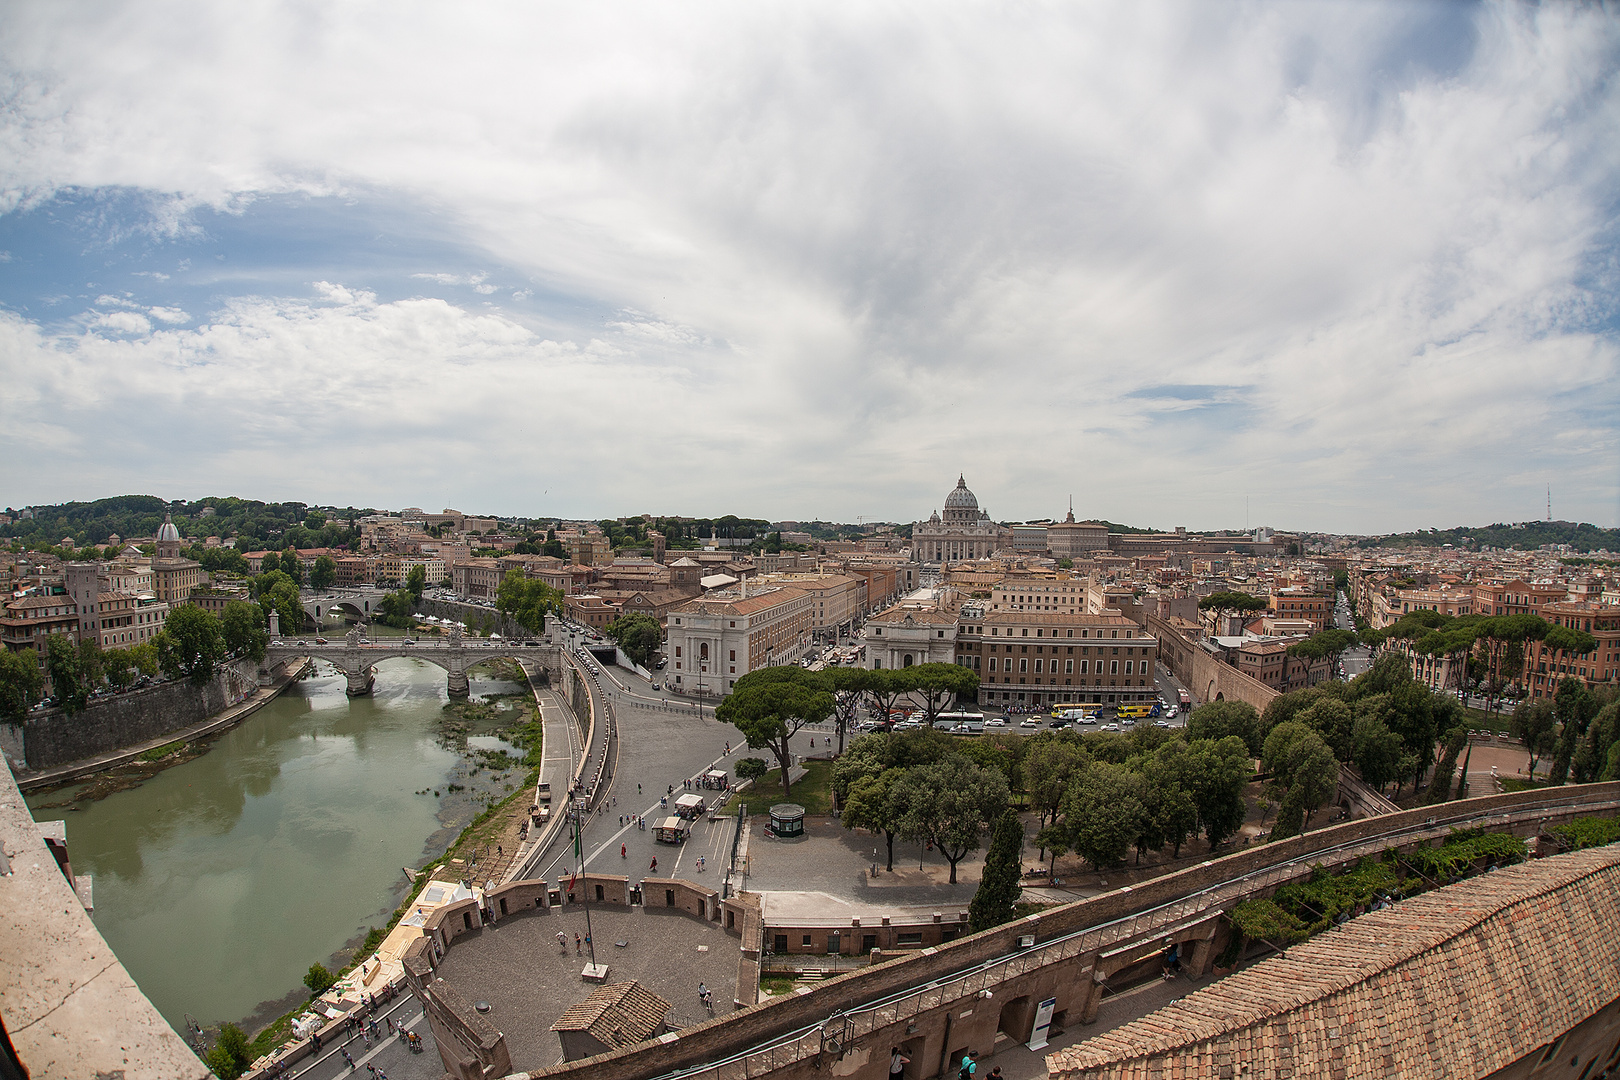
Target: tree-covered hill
column 1523, row 536
column 254, row 524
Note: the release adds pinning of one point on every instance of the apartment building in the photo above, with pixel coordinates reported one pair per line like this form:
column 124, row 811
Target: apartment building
column 716, row 639
column 1545, row 668
column 1044, row 658
column 1062, row 594
column 1301, row 604
column 26, row 624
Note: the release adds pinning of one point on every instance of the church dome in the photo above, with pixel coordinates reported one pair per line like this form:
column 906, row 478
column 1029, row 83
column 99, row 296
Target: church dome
column 960, row 497
column 167, row 531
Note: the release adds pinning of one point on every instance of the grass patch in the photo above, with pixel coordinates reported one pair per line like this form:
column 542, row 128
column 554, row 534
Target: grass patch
column 1518, row 783
column 776, row 985
column 158, row 753
column 1480, row 720
column 273, row 1036
column 813, row 791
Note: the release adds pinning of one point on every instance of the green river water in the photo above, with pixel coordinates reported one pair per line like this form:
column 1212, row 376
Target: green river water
column 220, row 880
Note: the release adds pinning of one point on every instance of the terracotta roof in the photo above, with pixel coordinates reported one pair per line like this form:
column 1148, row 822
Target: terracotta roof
column 1458, row 982
column 745, row 606
column 618, row 1014
column 897, row 615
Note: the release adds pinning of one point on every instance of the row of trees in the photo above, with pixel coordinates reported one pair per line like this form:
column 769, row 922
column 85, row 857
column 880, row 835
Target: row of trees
column 191, row 645
column 1485, row 649
column 771, row 705
column 1578, row 728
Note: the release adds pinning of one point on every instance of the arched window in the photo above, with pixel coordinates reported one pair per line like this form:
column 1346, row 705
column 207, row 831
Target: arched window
column 907, row 662
column 703, row 650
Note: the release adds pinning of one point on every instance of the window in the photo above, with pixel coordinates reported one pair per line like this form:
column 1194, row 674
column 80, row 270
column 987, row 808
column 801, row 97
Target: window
column 1023, row 664
column 1113, row 667
column 1037, row 667
column 993, row 664
column 733, row 656
column 807, row 941
column 703, row 651
column 1068, row 667
column 1127, row 667
column 677, row 650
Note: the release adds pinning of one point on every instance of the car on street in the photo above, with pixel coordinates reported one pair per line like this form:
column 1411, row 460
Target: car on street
column 1171, row 713
column 995, row 722
column 1110, row 727
column 1030, row 722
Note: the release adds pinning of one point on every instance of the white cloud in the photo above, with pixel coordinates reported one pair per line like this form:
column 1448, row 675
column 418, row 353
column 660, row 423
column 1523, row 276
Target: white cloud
column 170, row 315
column 124, row 322
column 857, row 249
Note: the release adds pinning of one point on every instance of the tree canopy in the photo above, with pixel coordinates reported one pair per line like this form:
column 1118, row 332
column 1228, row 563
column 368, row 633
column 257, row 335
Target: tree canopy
column 770, row 712
column 191, row 644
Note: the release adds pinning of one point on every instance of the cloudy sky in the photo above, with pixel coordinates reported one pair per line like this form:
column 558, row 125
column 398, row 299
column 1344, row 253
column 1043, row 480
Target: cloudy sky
column 1339, row 266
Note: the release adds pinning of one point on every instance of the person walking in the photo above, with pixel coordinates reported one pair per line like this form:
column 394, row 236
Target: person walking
column 562, row 943
column 624, row 852
column 969, row 1067
column 897, row 1063
column 349, row 1059
column 578, row 947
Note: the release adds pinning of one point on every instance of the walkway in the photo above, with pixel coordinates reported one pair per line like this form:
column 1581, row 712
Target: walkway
column 230, row 717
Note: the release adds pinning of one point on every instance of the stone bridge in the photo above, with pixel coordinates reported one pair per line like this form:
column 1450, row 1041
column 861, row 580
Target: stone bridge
column 356, row 658
column 360, row 603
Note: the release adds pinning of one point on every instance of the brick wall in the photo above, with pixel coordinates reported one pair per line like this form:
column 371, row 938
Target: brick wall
column 53, row 738
column 1207, row 677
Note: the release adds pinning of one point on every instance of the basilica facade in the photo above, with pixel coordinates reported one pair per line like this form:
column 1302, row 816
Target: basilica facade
column 963, row 531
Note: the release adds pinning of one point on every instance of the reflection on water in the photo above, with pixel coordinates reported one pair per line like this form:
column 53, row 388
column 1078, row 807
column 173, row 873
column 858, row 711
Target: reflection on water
column 219, row 881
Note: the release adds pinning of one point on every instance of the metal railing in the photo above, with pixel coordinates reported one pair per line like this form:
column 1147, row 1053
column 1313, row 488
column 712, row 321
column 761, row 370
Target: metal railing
column 902, row 1005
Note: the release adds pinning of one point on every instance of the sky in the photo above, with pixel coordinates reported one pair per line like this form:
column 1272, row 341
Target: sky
column 1350, row 267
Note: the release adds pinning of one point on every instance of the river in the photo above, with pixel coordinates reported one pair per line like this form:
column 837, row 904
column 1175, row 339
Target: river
column 218, row 882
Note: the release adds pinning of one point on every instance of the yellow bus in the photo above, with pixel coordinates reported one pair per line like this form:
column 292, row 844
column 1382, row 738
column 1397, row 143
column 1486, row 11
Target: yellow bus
column 1076, row 710
column 1135, row 712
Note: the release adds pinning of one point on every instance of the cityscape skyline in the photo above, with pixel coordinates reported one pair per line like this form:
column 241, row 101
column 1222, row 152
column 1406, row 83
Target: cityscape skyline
column 1329, row 268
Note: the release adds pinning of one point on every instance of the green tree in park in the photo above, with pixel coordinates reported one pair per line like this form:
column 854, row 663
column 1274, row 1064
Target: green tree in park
column 145, row 657
column 1171, row 804
column 20, row 683
column 397, row 608
column 940, row 685
column 319, row 980
column 64, row 665
column 229, row 1057
column 1573, row 707
column 1335, row 722
column 770, row 710
column 871, row 804
column 1218, row 719
column 191, row 644
column 638, row 634
column 1329, row 644
column 416, row 580
column 1215, row 773
column 1377, row 751
column 1051, row 759
column 293, row 566
column 1103, row 813
column 847, row 685
column 527, row 601
column 1233, row 603
column 1000, row 884
column 751, row 768
column 118, row 667
column 1440, row 783
column 323, row 573
column 948, row 803
column 1303, row 768
column 245, row 633
column 1535, row 726
column 277, row 592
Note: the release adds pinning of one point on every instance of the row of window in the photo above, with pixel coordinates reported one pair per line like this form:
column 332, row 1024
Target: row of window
column 1040, row 631
column 1131, row 666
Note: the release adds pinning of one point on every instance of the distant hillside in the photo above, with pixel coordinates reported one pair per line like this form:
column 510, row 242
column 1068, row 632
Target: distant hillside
column 1524, row 536
column 253, row 523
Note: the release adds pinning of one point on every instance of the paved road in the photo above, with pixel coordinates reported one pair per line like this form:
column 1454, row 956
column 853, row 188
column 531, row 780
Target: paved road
column 389, row 1056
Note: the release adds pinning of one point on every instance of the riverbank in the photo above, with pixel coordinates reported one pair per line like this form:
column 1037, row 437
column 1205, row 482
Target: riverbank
column 187, row 737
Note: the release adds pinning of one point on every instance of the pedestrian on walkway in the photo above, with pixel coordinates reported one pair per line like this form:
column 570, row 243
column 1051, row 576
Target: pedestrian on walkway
column 562, row 942
column 578, row 950
column 897, row 1063
column 623, row 852
column 638, row 789
column 654, row 867
column 371, row 1069
column 349, row 1059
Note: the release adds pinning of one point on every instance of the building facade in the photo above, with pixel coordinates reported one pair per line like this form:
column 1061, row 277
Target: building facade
column 908, row 635
column 717, row 639
column 963, row 531
column 1042, row 659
